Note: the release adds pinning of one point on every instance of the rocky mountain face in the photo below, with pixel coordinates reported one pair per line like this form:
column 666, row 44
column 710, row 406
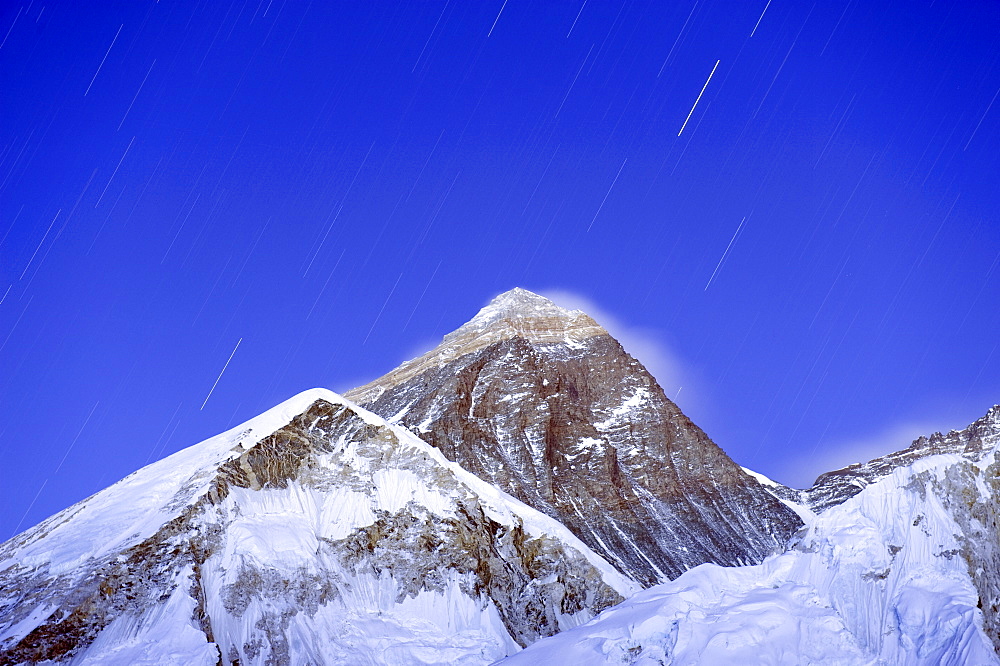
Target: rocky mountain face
column 315, row 533
column 543, row 403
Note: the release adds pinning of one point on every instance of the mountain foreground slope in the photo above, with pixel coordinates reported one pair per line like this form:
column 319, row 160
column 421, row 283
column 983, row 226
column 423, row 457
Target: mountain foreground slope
column 314, row 533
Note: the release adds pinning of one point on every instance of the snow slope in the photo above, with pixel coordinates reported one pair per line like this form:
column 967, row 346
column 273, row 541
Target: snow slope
column 883, row 578
column 133, row 509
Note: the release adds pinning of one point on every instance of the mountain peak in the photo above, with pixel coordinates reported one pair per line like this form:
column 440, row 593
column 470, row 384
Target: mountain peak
column 992, row 417
column 316, row 528
column 521, row 300
column 517, row 313
column 534, row 317
column 974, row 442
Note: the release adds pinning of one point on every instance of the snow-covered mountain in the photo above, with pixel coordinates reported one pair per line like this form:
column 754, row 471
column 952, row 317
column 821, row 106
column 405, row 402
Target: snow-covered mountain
column 902, row 570
column 515, row 487
column 314, row 533
column 542, row 402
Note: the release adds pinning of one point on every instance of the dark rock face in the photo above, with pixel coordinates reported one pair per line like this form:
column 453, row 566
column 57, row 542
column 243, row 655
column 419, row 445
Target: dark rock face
column 840, row 485
column 545, row 404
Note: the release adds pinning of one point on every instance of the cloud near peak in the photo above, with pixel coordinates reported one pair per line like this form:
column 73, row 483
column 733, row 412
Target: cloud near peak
column 678, row 380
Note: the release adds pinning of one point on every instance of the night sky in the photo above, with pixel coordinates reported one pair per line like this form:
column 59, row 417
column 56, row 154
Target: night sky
column 788, row 210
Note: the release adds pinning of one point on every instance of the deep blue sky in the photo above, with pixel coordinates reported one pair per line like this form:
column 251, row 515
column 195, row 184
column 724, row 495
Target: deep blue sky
column 335, row 185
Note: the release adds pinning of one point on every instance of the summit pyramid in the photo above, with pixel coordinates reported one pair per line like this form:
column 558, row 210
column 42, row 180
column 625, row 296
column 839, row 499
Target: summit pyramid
column 544, row 403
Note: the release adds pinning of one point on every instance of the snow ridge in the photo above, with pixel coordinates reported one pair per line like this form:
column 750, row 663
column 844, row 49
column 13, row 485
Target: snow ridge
column 973, row 442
